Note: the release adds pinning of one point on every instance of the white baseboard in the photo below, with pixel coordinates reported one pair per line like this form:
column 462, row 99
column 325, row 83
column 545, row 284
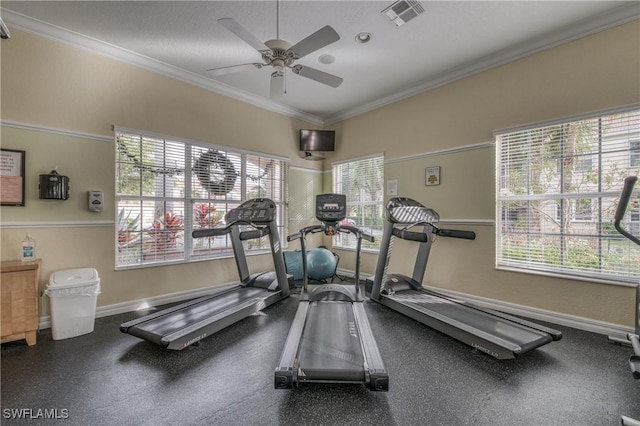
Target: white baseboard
column 581, row 323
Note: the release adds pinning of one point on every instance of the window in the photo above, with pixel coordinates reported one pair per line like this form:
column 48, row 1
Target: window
column 583, row 210
column 634, row 153
column 166, row 188
column 557, row 194
column 362, row 181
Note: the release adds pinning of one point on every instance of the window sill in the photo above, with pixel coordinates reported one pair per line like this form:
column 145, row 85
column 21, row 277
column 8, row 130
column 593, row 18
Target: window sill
column 184, row 261
column 364, row 250
column 567, row 276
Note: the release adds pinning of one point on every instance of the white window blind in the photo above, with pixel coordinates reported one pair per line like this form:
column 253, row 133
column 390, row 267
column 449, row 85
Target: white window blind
column 165, row 189
column 557, row 191
column 362, row 181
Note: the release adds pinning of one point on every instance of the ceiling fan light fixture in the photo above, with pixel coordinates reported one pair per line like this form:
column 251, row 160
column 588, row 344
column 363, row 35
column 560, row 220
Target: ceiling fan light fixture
column 363, row 37
column 280, row 55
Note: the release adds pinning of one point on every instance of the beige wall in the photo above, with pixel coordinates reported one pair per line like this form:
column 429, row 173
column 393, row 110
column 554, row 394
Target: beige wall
column 303, row 186
column 55, row 86
column 592, row 73
column 49, row 84
column 597, row 72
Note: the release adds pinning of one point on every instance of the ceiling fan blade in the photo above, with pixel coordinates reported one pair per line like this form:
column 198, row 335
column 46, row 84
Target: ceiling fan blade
column 317, row 75
column 321, row 38
column 277, row 84
column 234, row 68
column 240, row 31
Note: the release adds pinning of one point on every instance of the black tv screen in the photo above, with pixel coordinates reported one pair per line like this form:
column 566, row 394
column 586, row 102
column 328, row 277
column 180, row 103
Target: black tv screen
column 317, row 140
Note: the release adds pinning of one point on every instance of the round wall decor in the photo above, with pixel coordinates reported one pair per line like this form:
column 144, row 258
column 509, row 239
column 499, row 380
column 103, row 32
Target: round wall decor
column 215, row 172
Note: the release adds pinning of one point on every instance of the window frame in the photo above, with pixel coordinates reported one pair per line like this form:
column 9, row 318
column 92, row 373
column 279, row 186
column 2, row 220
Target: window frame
column 596, row 229
column 244, row 161
column 347, row 241
column 634, row 153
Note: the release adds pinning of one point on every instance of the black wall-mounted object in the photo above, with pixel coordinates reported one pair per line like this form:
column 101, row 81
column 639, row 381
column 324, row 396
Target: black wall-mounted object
column 317, row 140
column 54, row 186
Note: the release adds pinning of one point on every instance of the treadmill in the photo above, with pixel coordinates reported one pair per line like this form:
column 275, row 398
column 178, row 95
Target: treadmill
column 495, row 333
column 187, row 323
column 330, row 340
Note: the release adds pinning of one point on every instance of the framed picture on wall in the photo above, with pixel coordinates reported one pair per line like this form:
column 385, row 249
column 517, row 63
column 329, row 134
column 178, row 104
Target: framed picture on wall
column 432, row 176
column 11, row 177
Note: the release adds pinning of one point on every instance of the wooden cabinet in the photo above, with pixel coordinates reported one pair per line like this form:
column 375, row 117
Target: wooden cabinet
column 19, row 301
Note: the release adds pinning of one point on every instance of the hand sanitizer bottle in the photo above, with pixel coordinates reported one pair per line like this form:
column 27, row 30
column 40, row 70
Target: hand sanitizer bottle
column 28, row 249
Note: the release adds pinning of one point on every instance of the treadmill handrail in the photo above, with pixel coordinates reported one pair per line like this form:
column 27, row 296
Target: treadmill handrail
column 456, row 233
column 258, row 232
column 357, row 232
column 340, row 228
column 326, row 228
column 304, row 231
column 210, row 232
column 627, row 190
column 420, row 237
column 423, row 237
column 254, row 234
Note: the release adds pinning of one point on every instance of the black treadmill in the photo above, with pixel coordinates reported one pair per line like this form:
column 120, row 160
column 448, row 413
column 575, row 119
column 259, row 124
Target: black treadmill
column 495, row 333
column 330, row 340
column 187, row 323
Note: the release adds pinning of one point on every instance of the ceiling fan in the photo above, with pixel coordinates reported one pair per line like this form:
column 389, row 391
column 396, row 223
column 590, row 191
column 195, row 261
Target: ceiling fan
column 281, row 55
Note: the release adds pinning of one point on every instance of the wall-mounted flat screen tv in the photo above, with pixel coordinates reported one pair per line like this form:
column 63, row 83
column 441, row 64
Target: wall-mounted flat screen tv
column 317, row 140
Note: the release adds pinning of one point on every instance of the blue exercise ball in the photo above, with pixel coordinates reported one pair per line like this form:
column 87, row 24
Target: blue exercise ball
column 321, row 264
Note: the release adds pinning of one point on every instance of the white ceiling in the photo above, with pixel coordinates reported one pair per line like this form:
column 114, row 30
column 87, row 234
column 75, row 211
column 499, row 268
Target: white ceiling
column 451, row 40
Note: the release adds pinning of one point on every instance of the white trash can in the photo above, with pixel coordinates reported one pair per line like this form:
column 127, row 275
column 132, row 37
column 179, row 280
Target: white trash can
column 73, row 294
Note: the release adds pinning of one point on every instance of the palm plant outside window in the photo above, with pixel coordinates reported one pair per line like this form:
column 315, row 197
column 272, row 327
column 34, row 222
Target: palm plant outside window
column 557, row 191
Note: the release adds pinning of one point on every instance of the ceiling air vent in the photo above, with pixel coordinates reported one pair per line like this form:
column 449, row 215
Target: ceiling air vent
column 403, row 11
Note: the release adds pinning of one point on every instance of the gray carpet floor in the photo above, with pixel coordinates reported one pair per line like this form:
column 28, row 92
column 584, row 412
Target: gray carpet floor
column 110, row 378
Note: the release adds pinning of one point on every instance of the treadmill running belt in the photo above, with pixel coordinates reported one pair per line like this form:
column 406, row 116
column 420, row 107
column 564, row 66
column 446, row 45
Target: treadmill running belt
column 525, row 337
column 331, row 348
column 155, row 329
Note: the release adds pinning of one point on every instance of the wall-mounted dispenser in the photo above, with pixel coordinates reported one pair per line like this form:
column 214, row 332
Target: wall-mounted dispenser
column 96, row 200
column 54, row 186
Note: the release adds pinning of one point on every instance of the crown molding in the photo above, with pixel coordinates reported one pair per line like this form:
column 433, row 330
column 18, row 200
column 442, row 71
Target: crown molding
column 52, row 32
column 619, row 16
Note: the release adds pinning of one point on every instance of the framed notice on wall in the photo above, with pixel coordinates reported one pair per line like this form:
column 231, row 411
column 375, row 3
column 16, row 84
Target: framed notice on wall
column 432, row 176
column 11, row 177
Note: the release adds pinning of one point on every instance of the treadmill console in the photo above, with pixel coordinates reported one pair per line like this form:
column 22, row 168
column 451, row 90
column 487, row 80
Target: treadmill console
column 331, row 207
column 404, row 210
column 258, row 210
